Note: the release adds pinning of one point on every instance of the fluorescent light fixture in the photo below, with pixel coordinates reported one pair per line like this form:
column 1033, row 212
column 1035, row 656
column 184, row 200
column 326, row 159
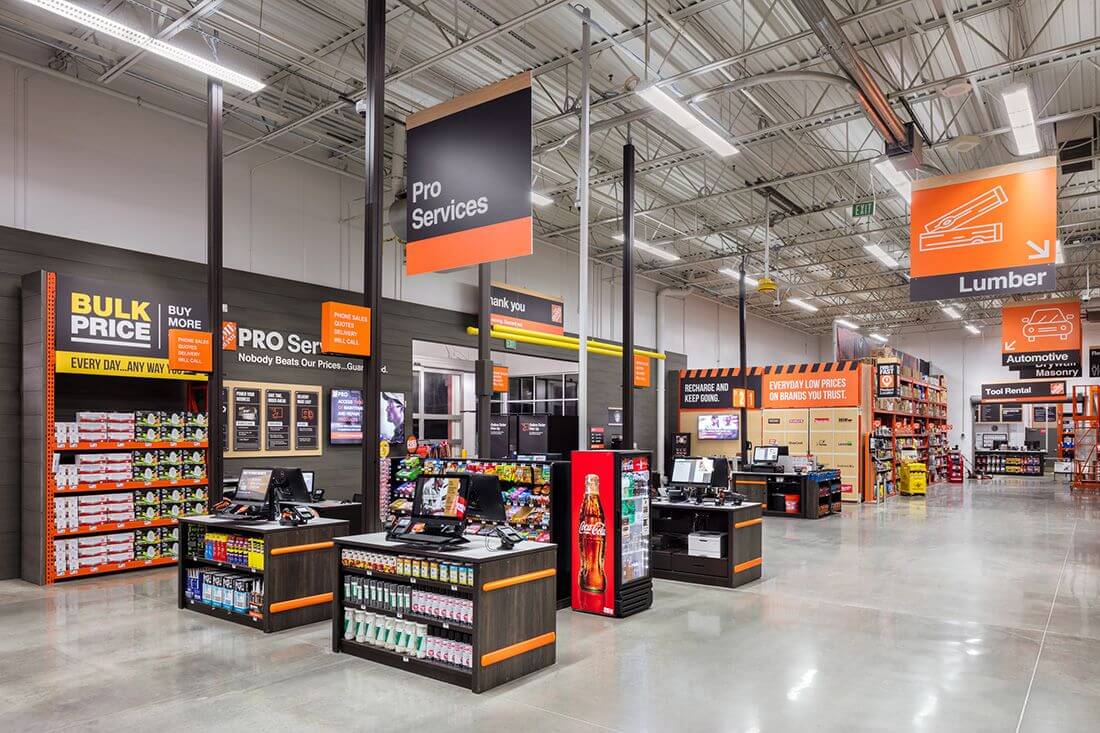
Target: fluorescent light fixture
column 879, row 338
column 973, row 329
column 803, row 304
column 687, row 119
column 1059, row 253
column 847, row 324
column 951, row 312
column 664, row 254
column 881, row 255
column 1021, row 118
column 895, row 178
column 540, row 199
column 750, row 281
column 113, row 28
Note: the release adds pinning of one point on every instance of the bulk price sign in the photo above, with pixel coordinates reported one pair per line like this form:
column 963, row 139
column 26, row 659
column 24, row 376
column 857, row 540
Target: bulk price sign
column 469, row 172
column 989, row 232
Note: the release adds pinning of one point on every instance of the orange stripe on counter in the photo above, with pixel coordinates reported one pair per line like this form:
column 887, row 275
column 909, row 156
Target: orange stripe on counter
column 515, row 650
column 749, row 523
column 751, row 482
column 518, row 579
column 748, row 565
column 291, row 549
column 283, row 606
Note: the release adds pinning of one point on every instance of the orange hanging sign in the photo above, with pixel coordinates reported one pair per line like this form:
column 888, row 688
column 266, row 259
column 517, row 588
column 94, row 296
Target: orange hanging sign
column 643, row 371
column 500, row 378
column 190, row 351
column 345, row 329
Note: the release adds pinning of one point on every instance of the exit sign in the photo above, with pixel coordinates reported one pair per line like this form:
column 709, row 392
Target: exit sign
column 510, row 344
column 863, row 208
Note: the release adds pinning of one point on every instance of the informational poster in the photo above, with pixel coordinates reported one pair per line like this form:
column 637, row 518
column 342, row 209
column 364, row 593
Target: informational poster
column 533, row 436
column 596, row 438
column 500, row 378
column 392, row 417
column 499, row 436
column 681, row 445
column 984, row 233
column 117, row 328
column 469, row 179
column 277, row 420
column 887, row 375
column 307, row 420
column 989, row 413
column 643, row 371
column 1011, row 413
column 346, row 417
column 246, row 419
column 520, row 308
column 614, row 417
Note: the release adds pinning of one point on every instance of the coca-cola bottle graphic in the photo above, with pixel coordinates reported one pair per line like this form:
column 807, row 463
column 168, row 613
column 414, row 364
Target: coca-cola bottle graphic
column 591, row 536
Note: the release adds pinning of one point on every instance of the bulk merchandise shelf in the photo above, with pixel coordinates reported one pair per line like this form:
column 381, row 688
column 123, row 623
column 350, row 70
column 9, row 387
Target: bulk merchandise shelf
column 104, row 445
column 107, row 487
column 114, row 567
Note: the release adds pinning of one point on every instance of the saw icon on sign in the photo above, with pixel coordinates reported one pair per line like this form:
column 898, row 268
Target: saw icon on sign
column 949, row 231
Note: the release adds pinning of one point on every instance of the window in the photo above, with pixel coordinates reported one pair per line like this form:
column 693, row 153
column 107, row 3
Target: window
column 555, row 394
column 437, row 405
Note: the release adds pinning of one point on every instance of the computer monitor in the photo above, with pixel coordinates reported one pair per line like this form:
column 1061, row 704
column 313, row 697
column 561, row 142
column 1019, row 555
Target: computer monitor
column 308, row 477
column 682, row 469
column 486, row 501
column 765, row 454
column 720, row 473
column 289, row 485
column 441, row 497
column 253, row 486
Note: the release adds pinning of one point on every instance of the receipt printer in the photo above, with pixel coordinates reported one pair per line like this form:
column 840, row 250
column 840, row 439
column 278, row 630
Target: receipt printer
column 706, row 544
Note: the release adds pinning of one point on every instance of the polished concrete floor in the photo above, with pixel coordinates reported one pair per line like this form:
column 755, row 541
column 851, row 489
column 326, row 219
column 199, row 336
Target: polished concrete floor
column 976, row 609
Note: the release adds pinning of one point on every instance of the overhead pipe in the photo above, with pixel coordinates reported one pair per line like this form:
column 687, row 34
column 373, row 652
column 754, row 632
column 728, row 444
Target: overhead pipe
column 508, row 332
column 871, row 97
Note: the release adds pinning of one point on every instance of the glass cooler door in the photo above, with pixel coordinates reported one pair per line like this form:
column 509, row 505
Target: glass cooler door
column 634, row 499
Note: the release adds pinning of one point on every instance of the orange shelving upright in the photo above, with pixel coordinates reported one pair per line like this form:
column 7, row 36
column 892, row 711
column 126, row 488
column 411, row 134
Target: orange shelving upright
column 1086, row 425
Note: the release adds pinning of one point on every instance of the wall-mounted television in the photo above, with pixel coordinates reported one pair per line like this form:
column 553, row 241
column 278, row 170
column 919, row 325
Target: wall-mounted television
column 719, row 427
column 345, row 417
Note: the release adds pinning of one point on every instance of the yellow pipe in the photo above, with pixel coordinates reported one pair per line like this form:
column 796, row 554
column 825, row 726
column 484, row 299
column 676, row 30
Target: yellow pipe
column 472, row 330
column 575, row 340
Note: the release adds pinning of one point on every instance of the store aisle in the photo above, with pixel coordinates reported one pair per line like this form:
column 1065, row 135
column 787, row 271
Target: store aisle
column 920, row 615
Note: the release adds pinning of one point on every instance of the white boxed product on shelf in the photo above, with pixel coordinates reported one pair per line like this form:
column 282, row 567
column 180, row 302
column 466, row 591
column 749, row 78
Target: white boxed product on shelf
column 705, row 544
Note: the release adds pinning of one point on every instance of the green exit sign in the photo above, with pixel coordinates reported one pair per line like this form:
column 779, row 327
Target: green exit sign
column 863, row 208
column 510, row 344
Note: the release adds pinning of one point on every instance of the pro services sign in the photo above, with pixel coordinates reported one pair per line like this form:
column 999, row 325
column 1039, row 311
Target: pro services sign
column 989, row 232
column 469, row 170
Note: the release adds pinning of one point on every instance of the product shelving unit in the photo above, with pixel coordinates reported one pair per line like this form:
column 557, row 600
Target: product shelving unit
column 917, row 421
column 1009, row 462
column 52, row 395
column 513, row 625
column 296, row 571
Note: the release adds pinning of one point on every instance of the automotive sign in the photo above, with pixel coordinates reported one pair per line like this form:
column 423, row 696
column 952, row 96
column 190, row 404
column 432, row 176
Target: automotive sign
column 469, row 179
column 989, row 232
column 1041, row 334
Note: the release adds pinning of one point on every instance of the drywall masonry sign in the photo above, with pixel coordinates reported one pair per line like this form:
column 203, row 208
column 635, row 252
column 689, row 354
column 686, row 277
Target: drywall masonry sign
column 120, row 329
column 1046, row 391
column 519, row 308
column 983, row 233
column 469, row 179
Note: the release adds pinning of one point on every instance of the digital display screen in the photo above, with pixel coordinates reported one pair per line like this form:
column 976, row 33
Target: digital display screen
column 441, row 496
column 765, row 454
column 692, row 471
column 252, row 485
column 719, row 427
column 681, row 470
column 346, row 417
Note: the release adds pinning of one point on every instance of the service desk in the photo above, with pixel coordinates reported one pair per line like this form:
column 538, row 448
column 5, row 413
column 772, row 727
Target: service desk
column 284, row 573
column 351, row 511
column 806, row 496
column 740, row 529
column 478, row 617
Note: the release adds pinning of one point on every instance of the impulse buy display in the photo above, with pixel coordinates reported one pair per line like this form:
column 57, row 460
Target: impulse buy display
column 474, row 616
column 107, row 490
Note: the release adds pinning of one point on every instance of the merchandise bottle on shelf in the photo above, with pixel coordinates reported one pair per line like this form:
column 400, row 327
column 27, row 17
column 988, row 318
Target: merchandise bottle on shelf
column 592, row 535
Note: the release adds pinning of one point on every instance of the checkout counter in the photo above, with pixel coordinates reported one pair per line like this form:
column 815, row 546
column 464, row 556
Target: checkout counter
column 772, row 481
column 338, row 509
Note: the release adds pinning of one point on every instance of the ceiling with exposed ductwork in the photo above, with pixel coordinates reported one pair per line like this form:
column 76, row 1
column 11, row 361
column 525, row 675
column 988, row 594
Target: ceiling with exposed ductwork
column 806, row 89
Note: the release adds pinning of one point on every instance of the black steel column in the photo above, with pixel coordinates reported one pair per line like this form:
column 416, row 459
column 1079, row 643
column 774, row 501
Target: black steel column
column 373, row 213
column 744, row 364
column 483, row 379
column 628, row 296
column 214, row 300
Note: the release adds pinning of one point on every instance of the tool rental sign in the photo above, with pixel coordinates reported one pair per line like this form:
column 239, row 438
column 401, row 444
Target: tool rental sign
column 469, row 169
column 989, row 232
column 119, row 329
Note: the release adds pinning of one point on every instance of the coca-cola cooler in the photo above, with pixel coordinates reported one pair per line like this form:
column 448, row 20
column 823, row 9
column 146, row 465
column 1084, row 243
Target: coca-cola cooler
column 610, row 569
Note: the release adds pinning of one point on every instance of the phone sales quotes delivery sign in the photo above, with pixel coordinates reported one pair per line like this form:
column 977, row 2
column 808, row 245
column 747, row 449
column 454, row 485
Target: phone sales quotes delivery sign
column 120, row 329
column 984, row 233
column 469, row 173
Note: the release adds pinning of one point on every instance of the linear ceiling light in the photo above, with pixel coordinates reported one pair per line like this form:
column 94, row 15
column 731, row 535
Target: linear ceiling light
column 951, row 312
column 1059, row 253
column 803, row 305
column 1021, row 118
column 881, row 255
column 664, row 254
column 750, row 281
column 686, row 119
column 847, row 324
column 973, row 329
column 895, row 178
column 113, row 28
column 880, row 339
column 540, row 199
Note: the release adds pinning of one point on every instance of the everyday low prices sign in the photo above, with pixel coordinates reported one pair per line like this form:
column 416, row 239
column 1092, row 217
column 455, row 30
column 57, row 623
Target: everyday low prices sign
column 811, row 389
column 989, row 232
